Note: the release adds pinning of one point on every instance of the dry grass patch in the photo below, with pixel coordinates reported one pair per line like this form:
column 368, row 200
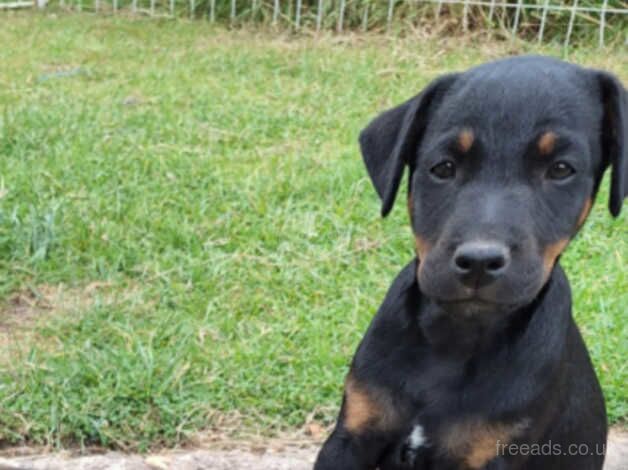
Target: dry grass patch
column 26, row 309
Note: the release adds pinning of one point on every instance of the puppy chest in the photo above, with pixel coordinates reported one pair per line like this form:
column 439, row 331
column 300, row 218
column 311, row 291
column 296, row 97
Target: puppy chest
column 465, row 445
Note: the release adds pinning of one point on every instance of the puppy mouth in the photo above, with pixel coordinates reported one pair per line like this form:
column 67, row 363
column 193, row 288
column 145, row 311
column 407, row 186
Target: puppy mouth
column 468, row 295
column 474, row 300
column 466, row 300
column 474, row 304
column 496, row 297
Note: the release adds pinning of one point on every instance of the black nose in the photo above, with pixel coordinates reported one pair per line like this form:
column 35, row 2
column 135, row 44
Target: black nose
column 480, row 262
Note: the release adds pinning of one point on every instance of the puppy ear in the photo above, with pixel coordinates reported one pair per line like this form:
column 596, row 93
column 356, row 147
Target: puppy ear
column 391, row 139
column 615, row 138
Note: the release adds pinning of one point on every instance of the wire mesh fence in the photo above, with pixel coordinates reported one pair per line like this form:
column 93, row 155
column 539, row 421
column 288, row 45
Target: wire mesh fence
column 14, row 5
column 541, row 20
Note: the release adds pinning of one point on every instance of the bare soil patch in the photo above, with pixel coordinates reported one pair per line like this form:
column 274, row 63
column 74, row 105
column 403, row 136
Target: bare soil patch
column 24, row 309
column 274, row 455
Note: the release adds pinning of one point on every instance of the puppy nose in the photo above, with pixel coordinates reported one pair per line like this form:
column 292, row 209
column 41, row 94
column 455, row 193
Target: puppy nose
column 477, row 263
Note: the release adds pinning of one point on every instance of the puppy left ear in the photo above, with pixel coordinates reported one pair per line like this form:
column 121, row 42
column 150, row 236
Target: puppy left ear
column 390, row 140
column 615, row 138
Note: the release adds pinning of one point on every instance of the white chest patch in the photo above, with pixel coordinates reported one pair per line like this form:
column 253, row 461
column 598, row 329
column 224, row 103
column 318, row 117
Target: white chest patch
column 411, row 450
column 416, row 438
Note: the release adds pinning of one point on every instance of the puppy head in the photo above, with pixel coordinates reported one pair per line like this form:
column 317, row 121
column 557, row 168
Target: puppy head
column 504, row 164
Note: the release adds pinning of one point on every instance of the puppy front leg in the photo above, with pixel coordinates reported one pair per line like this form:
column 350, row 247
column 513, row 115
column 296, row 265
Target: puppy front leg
column 498, row 463
column 344, row 451
column 367, row 424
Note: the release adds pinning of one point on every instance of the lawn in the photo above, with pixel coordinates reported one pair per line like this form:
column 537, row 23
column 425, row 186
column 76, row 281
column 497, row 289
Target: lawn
column 188, row 239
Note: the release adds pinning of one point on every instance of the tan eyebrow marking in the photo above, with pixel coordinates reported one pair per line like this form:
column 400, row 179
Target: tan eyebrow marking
column 546, row 143
column 465, row 140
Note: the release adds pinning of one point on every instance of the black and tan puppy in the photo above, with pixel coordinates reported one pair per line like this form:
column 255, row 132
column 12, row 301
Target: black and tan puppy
column 474, row 361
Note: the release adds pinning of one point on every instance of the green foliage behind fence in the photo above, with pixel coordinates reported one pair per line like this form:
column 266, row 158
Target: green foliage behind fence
column 552, row 21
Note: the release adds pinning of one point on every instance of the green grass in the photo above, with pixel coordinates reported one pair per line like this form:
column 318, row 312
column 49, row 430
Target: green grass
column 209, row 183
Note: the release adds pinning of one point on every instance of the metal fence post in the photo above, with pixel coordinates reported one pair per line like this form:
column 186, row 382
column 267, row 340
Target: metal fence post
column 297, row 15
column 517, row 16
column 603, row 22
column 389, row 17
column 491, row 11
column 319, row 15
column 212, row 11
column 439, row 9
column 543, row 20
column 341, row 16
column 572, row 19
column 275, row 11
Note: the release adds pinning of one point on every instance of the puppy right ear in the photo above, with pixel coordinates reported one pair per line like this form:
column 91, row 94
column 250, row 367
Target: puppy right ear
column 615, row 138
column 391, row 139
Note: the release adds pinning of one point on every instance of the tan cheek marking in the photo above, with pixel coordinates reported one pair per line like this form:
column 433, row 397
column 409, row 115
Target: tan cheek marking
column 465, row 140
column 552, row 252
column 421, row 246
column 585, row 212
column 476, row 443
column 546, row 143
column 366, row 409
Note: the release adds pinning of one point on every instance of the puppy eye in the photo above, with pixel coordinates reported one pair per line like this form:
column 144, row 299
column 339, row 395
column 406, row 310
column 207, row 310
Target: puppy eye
column 560, row 171
column 444, row 171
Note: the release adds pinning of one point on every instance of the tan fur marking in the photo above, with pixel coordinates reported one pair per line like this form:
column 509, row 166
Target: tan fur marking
column 546, row 143
column 366, row 409
column 465, row 140
column 585, row 212
column 421, row 245
column 475, row 443
column 552, row 251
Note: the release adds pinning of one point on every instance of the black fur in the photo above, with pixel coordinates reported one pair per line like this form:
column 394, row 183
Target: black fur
column 475, row 340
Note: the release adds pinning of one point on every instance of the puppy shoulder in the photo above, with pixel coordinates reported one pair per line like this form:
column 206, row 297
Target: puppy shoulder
column 401, row 304
column 395, row 323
